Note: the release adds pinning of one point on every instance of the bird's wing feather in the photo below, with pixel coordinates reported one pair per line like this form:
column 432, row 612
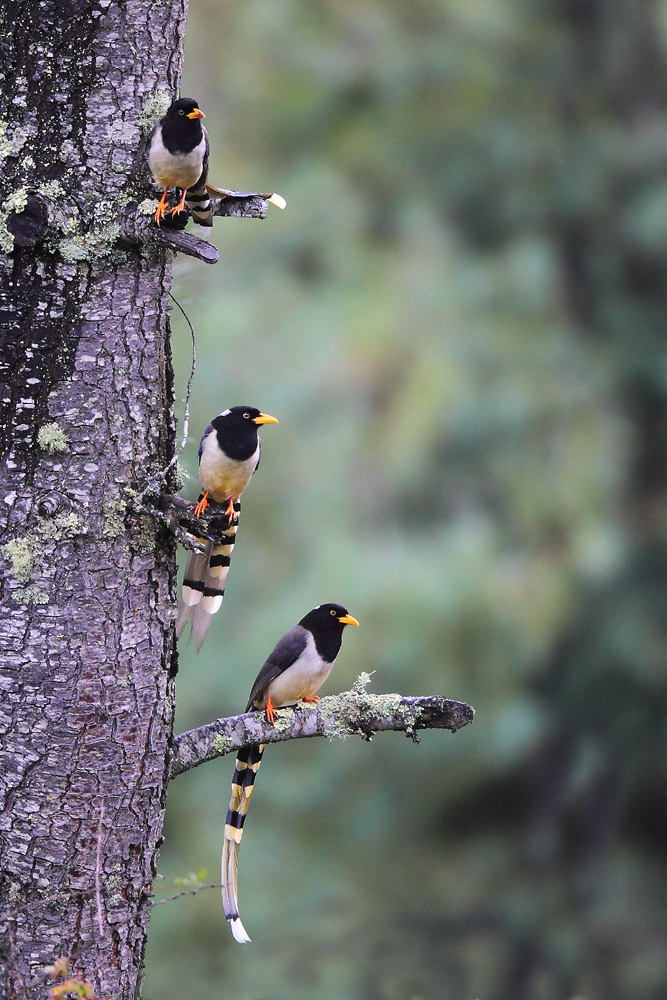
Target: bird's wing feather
column 284, row 654
column 203, row 438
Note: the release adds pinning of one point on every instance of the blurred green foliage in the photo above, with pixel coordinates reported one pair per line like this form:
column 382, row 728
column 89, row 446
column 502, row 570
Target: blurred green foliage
column 459, row 321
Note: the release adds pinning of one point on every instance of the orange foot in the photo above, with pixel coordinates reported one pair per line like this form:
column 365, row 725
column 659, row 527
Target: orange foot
column 161, row 210
column 314, row 698
column 181, row 205
column 271, row 714
column 230, row 513
column 202, row 505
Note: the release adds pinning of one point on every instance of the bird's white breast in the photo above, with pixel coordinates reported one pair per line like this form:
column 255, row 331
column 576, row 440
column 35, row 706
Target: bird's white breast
column 302, row 679
column 224, row 477
column 175, row 169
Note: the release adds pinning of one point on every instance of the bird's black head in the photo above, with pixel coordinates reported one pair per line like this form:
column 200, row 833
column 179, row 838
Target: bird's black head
column 327, row 622
column 236, row 429
column 184, row 110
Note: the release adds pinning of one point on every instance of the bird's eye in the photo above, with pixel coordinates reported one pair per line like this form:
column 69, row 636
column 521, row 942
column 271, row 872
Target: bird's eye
column 181, row 112
column 332, row 612
column 246, row 416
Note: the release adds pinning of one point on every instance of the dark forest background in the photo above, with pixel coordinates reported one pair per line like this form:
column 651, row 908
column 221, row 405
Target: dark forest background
column 460, row 322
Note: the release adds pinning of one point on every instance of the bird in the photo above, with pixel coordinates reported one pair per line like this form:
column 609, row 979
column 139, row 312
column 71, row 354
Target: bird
column 229, row 454
column 178, row 157
column 296, row 668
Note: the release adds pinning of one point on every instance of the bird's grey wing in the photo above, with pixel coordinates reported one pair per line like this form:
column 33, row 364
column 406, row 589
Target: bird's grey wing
column 203, row 438
column 286, row 651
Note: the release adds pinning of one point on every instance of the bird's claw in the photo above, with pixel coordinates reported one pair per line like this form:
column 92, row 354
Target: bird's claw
column 202, row 505
column 271, row 714
column 160, row 211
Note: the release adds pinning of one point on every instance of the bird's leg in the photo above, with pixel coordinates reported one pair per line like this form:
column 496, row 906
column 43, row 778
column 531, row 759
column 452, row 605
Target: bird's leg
column 181, row 205
column 161, row 210
column 271, row 714
column 315, row 698
column 229, row 512
column 202, row 505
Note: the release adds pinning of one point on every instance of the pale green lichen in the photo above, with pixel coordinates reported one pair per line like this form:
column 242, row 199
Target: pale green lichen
column 362, row 682
column 155, row 106
column 19, row 136
column 21, row 554
column 147, row 206
column 61, row 526
column 114, row 519
column 14, row 892
column 181, row 476
column 30, row 595
column 89, row 246
column 52, row 438
column 24, row 552
column 51, row 189
column 5, row 144
column 6, row 238
column 16, row 201
column 221, row 744
column 349, row 711
column 285, row 718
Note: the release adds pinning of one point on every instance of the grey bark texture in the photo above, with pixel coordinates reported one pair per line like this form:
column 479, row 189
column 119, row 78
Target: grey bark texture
column 86, row 636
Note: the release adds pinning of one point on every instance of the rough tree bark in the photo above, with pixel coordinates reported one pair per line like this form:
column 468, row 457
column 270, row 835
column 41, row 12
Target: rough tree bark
column 86, row 630
column 86, row 633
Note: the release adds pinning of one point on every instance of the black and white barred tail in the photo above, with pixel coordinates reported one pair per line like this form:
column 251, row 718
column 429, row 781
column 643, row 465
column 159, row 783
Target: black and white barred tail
column 204, row 585
column 198, row 201
column 247, row 765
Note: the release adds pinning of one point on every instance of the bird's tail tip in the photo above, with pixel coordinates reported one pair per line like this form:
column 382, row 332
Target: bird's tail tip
column 238, row 930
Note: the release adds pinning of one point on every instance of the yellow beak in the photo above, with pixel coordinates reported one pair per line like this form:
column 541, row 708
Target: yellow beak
column 196, row 114
column 265, row 418
column 348, row 620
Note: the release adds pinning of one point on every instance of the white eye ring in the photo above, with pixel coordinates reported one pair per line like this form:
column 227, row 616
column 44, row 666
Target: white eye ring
column 246, row 416
column 181, row 112
column 332, row 612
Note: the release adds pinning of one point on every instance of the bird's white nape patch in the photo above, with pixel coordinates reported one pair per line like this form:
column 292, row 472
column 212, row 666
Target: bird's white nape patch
column 225, row 413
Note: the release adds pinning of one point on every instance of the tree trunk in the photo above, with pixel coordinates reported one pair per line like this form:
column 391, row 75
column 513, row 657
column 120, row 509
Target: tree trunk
column 86, row 632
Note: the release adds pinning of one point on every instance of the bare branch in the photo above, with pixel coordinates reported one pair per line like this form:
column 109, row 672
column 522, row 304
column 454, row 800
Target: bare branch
column 136, row 226
column 187, row 243
column 185, row 892
column 352, row 712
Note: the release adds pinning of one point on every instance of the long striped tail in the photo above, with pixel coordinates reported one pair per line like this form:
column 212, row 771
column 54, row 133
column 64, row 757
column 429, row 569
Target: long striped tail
column 198, row 201
column 247, row 765
column 204, row 584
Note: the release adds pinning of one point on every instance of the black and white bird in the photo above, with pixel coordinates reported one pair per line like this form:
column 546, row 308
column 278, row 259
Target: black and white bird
column 229, row 454
column 178, row 157
column 298, row 666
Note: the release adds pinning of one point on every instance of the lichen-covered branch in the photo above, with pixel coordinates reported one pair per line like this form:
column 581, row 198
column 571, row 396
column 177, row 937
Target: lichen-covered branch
column 178, row 516
column 352, row 712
